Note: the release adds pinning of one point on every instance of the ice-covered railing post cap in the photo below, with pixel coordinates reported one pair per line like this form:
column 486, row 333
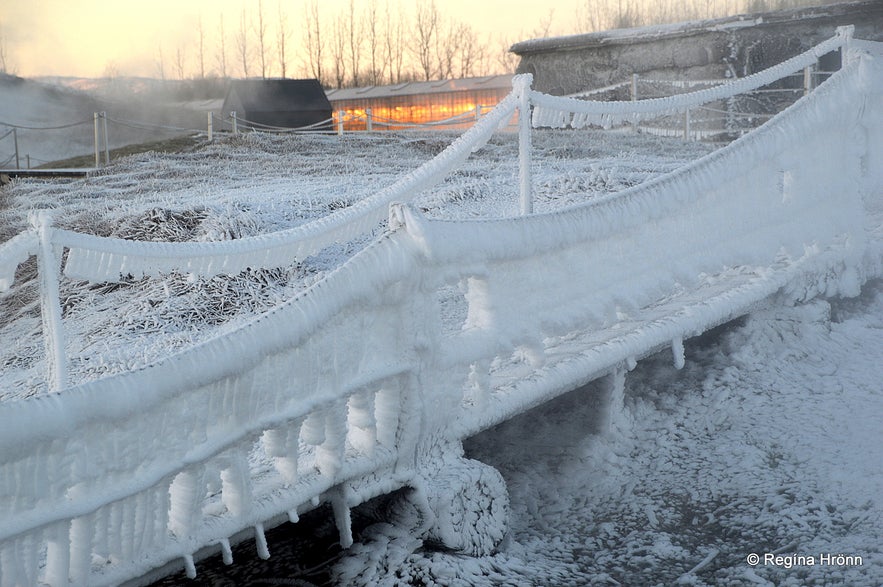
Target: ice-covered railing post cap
column 522, row 82
column 396, row 216
column 845, row 32
column 40, row 219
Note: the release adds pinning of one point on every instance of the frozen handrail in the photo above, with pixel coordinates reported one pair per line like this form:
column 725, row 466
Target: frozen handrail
column 556, row 111
column 14, row 252
column 106, row 259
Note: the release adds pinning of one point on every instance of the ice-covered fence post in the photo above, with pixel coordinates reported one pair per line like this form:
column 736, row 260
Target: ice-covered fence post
column 687, row 124
column 807, row 80
column 106, row 147
column 846, row 32
column 233, row 119
column 49, row 269
column 340, row 115
column 477, row 112
column 15, row 142
column 211, row 127
column 368, row 122
column 97, row 148
column 521, row 84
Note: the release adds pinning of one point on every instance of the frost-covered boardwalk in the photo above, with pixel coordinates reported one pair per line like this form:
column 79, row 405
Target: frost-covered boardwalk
column 369, row 380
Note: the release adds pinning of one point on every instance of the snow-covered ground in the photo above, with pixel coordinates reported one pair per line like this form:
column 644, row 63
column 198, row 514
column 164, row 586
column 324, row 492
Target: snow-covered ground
column 769, row 441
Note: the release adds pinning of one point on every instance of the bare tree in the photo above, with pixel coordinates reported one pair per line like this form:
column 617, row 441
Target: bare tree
column 471, row 52
column 242, row 44
column 222, row 49
column 506, row 60
column 338, row 51
column 446, row 49
column 424, row 37
column 394, row 45
column 354, row 42
column 180, row 62
column 161, row 63
column 314, row 42
column 4, row 54
column 201, row 54
column 261, row 31
column 281, row 37
column 372, row 36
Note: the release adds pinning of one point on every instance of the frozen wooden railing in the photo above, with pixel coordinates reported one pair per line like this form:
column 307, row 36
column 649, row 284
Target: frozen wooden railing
column 466, row 323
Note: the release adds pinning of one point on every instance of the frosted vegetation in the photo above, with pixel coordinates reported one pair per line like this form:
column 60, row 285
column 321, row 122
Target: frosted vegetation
column 255, row 184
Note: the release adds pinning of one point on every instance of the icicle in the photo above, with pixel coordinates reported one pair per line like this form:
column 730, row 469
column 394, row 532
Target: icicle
column 261, row 542
column 226, row 551
column 81, row 535
column 236, row 485
column 189, row 566
column 631, row 363
column 186, row 500
column 293, row 517
column 331, row 452
column 677, row 349
column 58, row 556
column 363, row 425
column 616, row 414
column 342, row 518
column 312, row 431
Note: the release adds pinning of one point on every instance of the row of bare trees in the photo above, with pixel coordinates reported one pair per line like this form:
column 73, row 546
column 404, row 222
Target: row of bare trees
column 362, row 43
column 374, row 42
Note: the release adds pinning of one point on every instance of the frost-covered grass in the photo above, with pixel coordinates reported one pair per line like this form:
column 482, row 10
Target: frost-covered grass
column 255, row 184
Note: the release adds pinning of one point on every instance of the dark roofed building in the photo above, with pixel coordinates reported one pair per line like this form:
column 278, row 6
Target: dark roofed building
column 283, row 103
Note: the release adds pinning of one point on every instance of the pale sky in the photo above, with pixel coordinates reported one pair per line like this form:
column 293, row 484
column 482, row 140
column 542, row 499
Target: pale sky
column 95, row 37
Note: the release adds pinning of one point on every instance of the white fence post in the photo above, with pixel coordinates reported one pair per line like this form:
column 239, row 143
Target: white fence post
column 521, row 84
column 15, row 142
column 368, row 122
column 106, row 147
column 687, row 124
column 97, row 148
column 211, row 127
column 340, row 115
column 233, row 118
column 49, row 269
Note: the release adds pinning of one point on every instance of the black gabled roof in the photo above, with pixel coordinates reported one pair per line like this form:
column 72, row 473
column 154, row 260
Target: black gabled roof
column 277, row 95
